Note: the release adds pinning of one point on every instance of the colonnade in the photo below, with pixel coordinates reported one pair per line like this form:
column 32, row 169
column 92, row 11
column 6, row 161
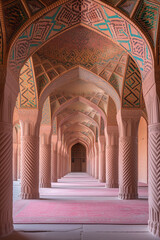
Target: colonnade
column 118, row 145
column 112, row 159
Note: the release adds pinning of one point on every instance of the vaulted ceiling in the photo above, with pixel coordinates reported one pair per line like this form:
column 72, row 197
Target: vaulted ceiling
column 110, row 76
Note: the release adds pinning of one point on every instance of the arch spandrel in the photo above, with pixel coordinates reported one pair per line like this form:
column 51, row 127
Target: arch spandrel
column 46, row 113
column 27, row 97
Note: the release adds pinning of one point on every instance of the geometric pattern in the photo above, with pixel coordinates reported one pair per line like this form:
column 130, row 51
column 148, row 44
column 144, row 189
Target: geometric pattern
column 41, row 82
column 15, row 16
column 46, row 112
column 90, row 13
column 102, row 127
column 54, row 126
column 65, row 59
column 58, row 99
column 147, row 17
column 28, row 93
column 132, row 86
column 111, row 113
column 116, row 81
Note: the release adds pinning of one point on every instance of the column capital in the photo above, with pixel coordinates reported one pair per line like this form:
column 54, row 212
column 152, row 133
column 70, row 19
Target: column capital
column 112, row 129
column 128, row 121
column 154, row 127
column 45, row 134
column 28, row 120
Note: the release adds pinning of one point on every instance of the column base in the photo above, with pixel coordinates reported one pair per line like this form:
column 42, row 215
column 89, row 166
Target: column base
column 54, row 180
column 112, row 185
column 45, row 185
column 125, row 196
column 101, row 180
column 6, row 228
column 154, row 228
column 29, row 195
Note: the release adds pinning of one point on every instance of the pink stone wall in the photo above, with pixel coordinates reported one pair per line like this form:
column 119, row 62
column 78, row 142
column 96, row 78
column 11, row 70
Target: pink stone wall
column 142, row 151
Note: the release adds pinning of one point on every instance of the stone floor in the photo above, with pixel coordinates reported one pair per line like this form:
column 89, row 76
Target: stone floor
column 79, row 232
column 76, row 231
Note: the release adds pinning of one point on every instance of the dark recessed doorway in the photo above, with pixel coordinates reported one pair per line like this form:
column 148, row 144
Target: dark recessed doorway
column 78, row 158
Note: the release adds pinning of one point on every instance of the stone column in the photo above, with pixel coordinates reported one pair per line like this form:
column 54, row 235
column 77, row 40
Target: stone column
column 54, row 158
column 15, row 162
column 62, row 161
column 6, row 184
column 112, row 157
column 19, row 159
column 101, row 142
column 59, row 159
column 128, row 121
column 93, row 162
column 154, row 178
column 96, row 160
column 88, row 162
column 45, row 157
column 29, row 154
column 65, row 161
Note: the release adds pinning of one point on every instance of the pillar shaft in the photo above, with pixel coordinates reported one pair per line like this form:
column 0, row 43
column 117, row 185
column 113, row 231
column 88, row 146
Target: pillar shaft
column 112, row 157
column 54, row 166
column 128, row 153
column 112, row 166
column 45, row 165
column 6, row 187
column 101, row 159
column 154, row 179
column 15, row 163
column 30, row 167
column 128, row 168
column 96, row 161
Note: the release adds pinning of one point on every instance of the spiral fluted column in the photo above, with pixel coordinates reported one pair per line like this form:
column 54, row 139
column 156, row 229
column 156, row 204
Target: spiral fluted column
column 45, row 166
column 19, row 160
column 128, row 167
column 128, row 153
column 102, row 159
column 6, row 187
column 96, row 160
column 154, row 178
column 54, row 165
column 30, row 167
column 112, row 157
column 112, row 166
column 15, row 163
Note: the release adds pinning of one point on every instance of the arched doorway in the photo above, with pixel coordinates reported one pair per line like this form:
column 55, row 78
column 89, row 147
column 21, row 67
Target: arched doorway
column 78, row 158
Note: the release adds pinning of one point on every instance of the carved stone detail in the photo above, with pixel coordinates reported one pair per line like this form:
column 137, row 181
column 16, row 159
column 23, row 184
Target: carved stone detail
column 112, row 166
column 154, row 179
column 54, row 166
column 30, row 167
column 6, row 223
column 128, row 168
column 45, row 166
